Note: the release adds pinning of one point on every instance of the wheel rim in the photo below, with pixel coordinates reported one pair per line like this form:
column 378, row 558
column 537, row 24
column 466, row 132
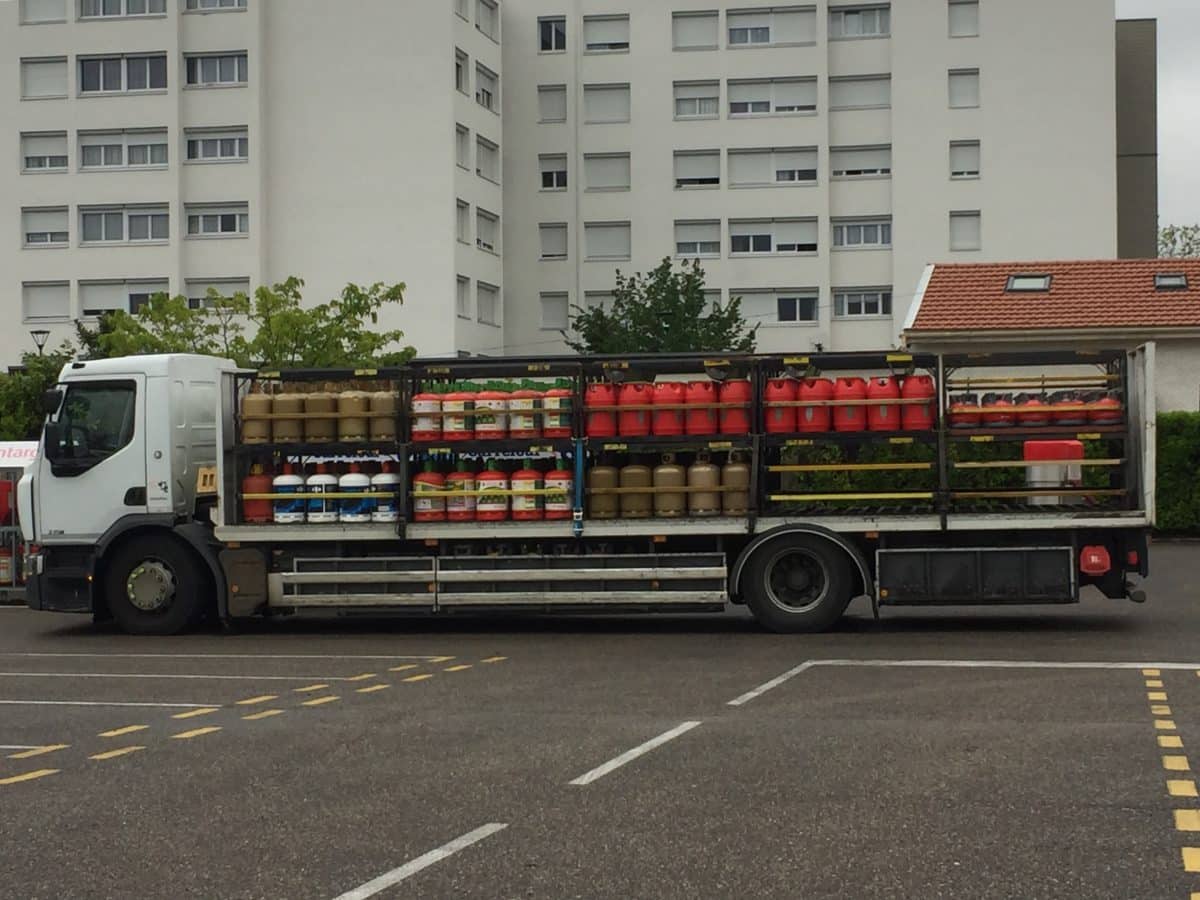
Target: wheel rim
column 796, row 580
column 150, row 586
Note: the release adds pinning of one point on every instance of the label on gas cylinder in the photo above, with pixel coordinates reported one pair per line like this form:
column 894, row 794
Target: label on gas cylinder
column 493, row 497
column 288, row 512
column 426, row 498
column 527, row 502
column 490, row 418
column 557, row 412
column 460, row 507
column 454, row 423
column 523, row 416
column 356, row 509
column 425, row 426
column 560, row 500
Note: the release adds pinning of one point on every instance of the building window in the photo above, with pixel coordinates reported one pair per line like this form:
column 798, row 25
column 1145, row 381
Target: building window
column 487, row 303
column 487, row 19
column 697, row 99
column 462, row 297
column 462, row 9
column 552, row 103
column 217, row 69
column 964, row 159
column 555, row 312
column 102, row 226
column 966, row 230
column 1028, row 283
column 605, row 103
column 218, row 221
column 964, row 88
column 858, row 302
column 113, row 225
column 606, row 172
column 598, row 300
column 42, row 79
column 462, row 147
column 697, row 168
column 96, row 9
column 206, row 293
column 867, row 92
column 487, row 87
column 226, row 145
column 860, row 162
column 123, row 149
column 553, row 168
column 460, row 72
column 696, row 239
column 487, row 230
column 100, row 297
column 117, row 74
column 45, row 227
column 41, row 11
column 553, row 240
column 779, row 306
column 487, row 160
column 761, row 236
column 772, row 167
column 45, row 301
column 869, row 21
column 759, row 28
column 779, row 96
column 964, row 18
column 149, row 225
column 862, row 233
column 695, row 31
column 1170, row 281
column 606, row 34
column 462, row 221
column 552, row 34
column 607, row 240
column 44, row 152
column 215, row 5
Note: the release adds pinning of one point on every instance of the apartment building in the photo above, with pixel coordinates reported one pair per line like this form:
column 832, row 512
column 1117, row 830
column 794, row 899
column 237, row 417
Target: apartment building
column 181, row 144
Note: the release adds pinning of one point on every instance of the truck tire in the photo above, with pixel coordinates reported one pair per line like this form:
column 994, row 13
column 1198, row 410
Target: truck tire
column 153, row 585
column 798, row 583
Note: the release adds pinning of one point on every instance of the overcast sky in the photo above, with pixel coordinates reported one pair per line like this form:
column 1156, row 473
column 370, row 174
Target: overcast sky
column 1178, row 103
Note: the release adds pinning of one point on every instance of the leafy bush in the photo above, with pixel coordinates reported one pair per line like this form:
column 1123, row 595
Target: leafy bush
column 1178, row 471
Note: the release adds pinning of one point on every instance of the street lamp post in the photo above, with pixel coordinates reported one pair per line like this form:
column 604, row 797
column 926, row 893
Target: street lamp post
column 40, row 336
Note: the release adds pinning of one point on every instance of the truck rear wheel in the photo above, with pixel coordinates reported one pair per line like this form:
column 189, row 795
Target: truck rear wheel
column 153, row 586
column 798, row 583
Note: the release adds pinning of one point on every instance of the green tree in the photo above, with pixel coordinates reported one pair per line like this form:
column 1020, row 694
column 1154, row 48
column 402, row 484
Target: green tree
column 21, row 393
column 662, row 311
column 1179, row 241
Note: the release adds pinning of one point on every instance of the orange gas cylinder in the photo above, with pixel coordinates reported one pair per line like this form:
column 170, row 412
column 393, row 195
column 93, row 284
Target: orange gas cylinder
column 256, row 511
column 525, row 412
column 964, row 411
column 850, row 417
column 527, row 507
column 998, row 411
column 427, row 419
column 460, row 509
column 428, row 506
column 492, row 503
column 736, row 419
column 458, row 415
column 560, row 504
column 491, row 414
column 1105, row 410
column 918, row 416
column 814, row 418
column 1032, row 411
column 668, row 422
column 603, row 423
column 886, row 416
column 780, row 419
column 702, row 419
column 1067, row 408
column 556, row 407
column 634, row 422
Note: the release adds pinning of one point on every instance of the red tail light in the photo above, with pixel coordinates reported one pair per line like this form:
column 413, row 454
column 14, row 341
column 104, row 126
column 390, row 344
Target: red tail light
column 1095, row 561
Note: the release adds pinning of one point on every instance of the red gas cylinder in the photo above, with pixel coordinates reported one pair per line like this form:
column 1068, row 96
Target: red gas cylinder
column 668, row 422
column 527, row 507
column 780, row 419
column 458, row 420
column 918, row 416
column 886, row 416
column 815, row 418
column 460, row 509
column 1032, row 411
column 1105, row 410
column 492, row 503
column 6, row 488
column 427, row 420
column 256, row 511
column 428, row 506
column 964, row 411
column 736, row 419
column 998, row 411
column 491, row 414
column 525, row 413
column 561, row 504
column 1067, row 408
column 634, row 422
column 556, row 409
column 702, row 419
column 851, row 417
column 601, row 424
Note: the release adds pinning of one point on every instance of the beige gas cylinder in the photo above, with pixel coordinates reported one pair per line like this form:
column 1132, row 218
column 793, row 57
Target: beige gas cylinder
column 320, row 431
column 735, row 474
column 704, row 481
column 288, row 431
column 669, row 504
column 636, row 504
column 256, row 431
column 602, row 506
column 353, row 407
column 383, row 427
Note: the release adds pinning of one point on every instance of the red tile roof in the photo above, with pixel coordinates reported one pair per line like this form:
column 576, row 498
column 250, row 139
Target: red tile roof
column 1113, row 293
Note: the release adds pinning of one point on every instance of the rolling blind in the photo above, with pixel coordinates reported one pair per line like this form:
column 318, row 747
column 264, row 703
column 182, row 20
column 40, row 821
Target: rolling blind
column 965, row 231
column 851, row 92
column 603, row 32
column 46, row 301
column 795, row 93
column 964, row 19
column 43, row 78
column 795, row 159
column 44, row 145
column 554, row 312
column 690, row 30
column 861, row 158
column 43, row 11
column 750, row 167
column 749, row 20
column 554, row 241
column 698, row 165
column 44, row 220
column 696, row 90
column 607, row 240
column 606, row 102
column 99, row 296
column 964, row 89
column 606, row 172
column 707, row 232
column 747, row 91
column 796, row 231
column 552, row 103
column 794, row 26
column 964, row 159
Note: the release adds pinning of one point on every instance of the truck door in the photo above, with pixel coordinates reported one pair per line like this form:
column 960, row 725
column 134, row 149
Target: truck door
column 1143, row 426
column 97, row 472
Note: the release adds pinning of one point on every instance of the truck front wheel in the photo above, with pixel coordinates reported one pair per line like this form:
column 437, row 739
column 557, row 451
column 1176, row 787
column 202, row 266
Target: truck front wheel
column 798, row 583
column 153, row 586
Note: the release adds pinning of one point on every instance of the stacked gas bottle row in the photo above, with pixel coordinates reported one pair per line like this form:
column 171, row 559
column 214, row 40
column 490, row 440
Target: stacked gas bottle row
column 320, row 417
column 376, row 482
column 850, row 404
column 494, row 494
column 465, row 411
column 669, row 490
column 668, row 408
column 1066, row 408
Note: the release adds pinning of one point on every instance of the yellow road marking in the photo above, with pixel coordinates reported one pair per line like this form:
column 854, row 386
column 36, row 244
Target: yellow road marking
column 311, row 688
column 457, row 668
column 264, row 714
column 1191, row 859
column 440, row 658
column 1187, row 819
column 29, row 776
column 1170, row 741
column 251, row 701
column 196, row 732
column 128, row 729
column 1176, row 764
column 192, row 713
column 403, row 668
column 1151, row 672
column 495, row 659
column 38, row 751
column 365, row 676
column 1156, row 695
column 1164, row 724
column 417, row 677
column 317, row 701
column 1160, row 710
column 120, row 751
column 1183, row 788
column 370, row 689
column 1154, row 682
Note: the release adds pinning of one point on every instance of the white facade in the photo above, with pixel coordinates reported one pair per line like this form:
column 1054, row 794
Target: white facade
column 341, row 142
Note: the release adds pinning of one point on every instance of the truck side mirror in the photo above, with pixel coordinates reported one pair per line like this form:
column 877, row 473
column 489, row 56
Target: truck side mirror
column 54, row 449
column 51, row 401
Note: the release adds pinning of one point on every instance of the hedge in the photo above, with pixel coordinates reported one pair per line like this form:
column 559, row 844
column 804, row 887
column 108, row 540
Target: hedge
column 1178, row 472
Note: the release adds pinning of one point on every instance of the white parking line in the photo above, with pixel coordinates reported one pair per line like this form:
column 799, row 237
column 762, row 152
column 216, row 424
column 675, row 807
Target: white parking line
column 19, row 746
column 213, row 656
column 172, row 675
column 773, row 683
column 394, row 877
column 104, row 703
column 629, row 755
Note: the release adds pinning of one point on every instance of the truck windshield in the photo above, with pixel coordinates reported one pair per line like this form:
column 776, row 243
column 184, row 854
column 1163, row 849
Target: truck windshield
column 95, row 420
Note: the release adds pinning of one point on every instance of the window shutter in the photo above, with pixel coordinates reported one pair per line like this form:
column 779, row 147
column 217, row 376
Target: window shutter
column 43, row 78
column 96, row 297
column 964, row 89
column 607, row 240
column 965, row 231
column 794, row 26
column 795, row 93
column 852, row 92
column 226, row 287
column 556, row 163
column 748, row 91
column 964, row 158
column 606, row 172
column 694, row 30
column 554, row 312
column 796, row 231
column 44, row 220
column 606, row 102
column 863, row 158
column 606, row 30
column 708, row 232
column 44, row 145
column 750, row 167
column 964, row 19
column 750, row 226
column 698, row 165
column 554, row 241
column 795, row 159
column 749, row 20
column 552, row 103
column 43, row 10
column 757, row 306
column 696, row 90
column 46, row 301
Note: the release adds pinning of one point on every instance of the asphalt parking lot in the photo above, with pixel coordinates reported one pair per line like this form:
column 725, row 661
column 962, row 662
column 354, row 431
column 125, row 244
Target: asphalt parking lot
column 1019, row 753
